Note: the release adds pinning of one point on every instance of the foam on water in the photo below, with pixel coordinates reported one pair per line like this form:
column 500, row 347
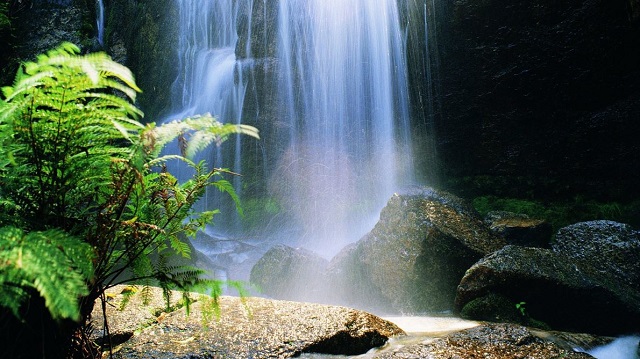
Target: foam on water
column 621, row 348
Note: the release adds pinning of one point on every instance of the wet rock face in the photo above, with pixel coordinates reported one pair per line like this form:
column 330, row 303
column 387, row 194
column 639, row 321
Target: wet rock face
column 610, row 248
column 415, row 256
column 143, row 36
column 250, row 328
column 43, row 25
column 411, row 262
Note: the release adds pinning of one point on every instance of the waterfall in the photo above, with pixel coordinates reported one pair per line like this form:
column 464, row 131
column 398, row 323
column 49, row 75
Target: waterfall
column 100, row 21
column 344, row 81
column 210, row 77
column 343, row 112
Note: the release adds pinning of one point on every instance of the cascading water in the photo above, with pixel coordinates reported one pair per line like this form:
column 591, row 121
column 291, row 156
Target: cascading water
column 342, row 88
column 344, row 83
column 100, row 21
column 210, row 78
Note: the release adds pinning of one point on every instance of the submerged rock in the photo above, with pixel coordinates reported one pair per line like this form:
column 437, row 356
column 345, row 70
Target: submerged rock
column 255, row 328
column 491, row 341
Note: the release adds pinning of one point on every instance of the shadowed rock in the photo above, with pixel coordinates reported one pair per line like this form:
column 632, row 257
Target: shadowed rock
column 556, row 291
column 608, row 250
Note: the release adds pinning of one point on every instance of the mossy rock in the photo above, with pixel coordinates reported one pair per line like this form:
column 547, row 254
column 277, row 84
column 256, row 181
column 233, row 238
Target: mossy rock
column 492, row 307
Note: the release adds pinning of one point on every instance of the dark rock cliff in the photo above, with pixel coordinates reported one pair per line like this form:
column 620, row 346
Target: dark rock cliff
column 548, row 90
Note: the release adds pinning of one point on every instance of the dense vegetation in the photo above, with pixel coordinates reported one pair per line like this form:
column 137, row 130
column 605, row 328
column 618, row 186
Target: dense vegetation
column 86, row 200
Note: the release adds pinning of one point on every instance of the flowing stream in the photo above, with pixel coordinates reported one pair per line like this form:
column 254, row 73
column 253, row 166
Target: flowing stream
column 210, row 78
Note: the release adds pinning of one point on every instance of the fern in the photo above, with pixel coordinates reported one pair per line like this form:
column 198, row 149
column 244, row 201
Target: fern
column 86, row 198
column 53, row 263
column 60, row 127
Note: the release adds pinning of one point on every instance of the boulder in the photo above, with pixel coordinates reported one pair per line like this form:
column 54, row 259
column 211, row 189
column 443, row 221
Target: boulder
column 252, row 328
column 549, row 287
column 289, row 273
column 415, row 256
column 609, row 250
column 519, row 229
column 492, row 341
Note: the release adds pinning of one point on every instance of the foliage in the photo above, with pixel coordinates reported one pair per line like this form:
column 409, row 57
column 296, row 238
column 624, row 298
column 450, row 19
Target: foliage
column 85, row 188
column 42, row 261
column 5, row 23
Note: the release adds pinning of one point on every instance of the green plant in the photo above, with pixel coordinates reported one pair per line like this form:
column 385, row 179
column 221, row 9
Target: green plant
column 86, row 200
column 522, row 308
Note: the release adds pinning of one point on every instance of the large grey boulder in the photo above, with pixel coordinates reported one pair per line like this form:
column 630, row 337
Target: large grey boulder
column 415, row 256
column 555, row 289
column 250, row 328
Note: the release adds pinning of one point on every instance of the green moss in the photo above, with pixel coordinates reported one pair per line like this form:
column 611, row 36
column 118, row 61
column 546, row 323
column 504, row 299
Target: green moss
column 492, row 307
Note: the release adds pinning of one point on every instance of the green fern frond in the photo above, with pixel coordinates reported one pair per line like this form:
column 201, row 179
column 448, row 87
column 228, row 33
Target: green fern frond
column 206, row 130
column 225, row 186
column 181, row 248
column 127, row 294
column 54, row 263
column 74, row 156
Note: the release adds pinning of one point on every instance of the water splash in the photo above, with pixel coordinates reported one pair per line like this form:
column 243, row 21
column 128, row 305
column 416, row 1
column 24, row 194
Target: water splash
column 622, row 348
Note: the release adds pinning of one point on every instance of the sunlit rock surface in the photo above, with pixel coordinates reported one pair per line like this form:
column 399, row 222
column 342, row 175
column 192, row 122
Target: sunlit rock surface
column 252, row 328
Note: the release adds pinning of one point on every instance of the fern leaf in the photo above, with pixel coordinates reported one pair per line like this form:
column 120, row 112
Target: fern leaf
column 180, row 247
column 226, row 187
column 57, row 265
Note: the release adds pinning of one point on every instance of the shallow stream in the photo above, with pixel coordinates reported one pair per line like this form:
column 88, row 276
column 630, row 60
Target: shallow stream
column 427, row 329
